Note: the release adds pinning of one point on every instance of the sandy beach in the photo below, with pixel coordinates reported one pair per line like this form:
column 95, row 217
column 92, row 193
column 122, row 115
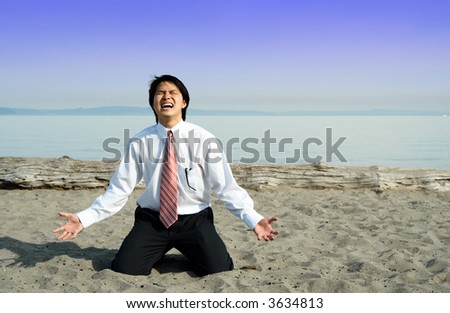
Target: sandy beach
column 332, row 240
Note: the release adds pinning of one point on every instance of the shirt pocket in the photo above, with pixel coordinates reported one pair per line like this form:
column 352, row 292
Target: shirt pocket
column 192, row 178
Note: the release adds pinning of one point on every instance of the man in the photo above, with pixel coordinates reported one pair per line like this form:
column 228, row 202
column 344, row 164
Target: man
column 180, row 163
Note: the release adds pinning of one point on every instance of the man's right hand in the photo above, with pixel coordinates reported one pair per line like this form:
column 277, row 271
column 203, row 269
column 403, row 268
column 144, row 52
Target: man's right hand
column 72, row 227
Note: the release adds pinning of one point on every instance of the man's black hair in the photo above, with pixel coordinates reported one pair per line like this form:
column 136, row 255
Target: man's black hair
column 171, row 79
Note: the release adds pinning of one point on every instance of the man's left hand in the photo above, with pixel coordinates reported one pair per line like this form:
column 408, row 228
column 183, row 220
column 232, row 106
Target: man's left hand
column 264, row 230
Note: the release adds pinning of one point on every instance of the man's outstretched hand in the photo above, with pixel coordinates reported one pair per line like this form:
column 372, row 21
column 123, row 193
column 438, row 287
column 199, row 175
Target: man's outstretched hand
column 72, row 227
column 264, row 230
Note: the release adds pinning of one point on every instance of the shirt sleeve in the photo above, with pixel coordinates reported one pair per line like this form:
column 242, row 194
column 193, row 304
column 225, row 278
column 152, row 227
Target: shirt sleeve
column 127, row 175
column 235, row 198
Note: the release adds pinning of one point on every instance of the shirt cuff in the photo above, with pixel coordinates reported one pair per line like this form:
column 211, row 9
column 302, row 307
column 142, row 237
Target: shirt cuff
column 87, row 217
column 252, row 218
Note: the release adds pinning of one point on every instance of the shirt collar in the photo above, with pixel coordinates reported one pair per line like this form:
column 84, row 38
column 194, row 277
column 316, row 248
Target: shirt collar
column 162, row 131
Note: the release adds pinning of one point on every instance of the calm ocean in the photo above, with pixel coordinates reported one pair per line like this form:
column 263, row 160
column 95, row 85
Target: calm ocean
column 396, row 141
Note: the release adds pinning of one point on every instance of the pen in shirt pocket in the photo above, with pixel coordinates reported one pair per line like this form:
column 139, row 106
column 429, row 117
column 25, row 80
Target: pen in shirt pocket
column 186, row 171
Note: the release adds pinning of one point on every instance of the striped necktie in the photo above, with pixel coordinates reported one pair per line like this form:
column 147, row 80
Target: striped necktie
column 169, row 186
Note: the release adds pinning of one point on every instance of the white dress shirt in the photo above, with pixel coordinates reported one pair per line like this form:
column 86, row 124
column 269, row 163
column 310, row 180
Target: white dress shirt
column 202, row 166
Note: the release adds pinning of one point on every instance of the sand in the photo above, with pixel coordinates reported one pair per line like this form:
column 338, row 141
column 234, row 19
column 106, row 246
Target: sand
column 354, row 240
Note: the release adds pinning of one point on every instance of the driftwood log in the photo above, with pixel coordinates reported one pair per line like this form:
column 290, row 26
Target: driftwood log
column 67, row 173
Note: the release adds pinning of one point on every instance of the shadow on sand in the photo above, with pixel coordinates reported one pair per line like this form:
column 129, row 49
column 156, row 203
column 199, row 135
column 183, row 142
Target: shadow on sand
column 28, row 254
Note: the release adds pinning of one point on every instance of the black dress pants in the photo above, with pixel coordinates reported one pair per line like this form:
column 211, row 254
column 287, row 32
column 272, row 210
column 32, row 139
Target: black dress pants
column 194, row 235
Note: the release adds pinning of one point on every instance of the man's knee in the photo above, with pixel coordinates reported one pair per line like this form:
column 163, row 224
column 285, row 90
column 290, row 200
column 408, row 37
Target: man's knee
column 209, row 254
column 204, row 269
column 129, row 269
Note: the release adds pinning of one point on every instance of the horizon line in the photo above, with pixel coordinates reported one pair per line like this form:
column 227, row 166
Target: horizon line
column 133, row 110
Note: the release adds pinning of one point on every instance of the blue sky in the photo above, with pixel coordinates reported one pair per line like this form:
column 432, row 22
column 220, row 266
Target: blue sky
column 264, row 55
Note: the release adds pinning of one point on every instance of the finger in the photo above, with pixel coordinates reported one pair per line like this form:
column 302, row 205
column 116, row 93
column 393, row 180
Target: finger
column 272, row 234
column 57, row 230
column 272, row 219
column 66, row 235
column 262, row 236
column 64, row 214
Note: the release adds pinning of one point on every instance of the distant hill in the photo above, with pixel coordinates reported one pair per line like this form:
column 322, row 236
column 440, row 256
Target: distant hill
column 118, row 110
column 126, row 110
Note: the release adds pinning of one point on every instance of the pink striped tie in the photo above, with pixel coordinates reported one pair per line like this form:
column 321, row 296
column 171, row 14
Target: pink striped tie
column 169, row 188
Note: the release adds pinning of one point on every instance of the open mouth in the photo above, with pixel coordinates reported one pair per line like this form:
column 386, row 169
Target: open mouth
column 167, row 106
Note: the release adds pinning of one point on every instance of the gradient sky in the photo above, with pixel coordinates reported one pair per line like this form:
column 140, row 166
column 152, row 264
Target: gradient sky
column 235, row 54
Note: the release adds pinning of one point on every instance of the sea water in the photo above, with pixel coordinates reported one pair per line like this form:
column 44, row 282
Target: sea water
column 395, row 141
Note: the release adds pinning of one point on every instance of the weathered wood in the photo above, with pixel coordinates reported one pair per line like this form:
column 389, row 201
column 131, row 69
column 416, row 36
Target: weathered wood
column 323, row 176
column 59, row 173
column 67, row 173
